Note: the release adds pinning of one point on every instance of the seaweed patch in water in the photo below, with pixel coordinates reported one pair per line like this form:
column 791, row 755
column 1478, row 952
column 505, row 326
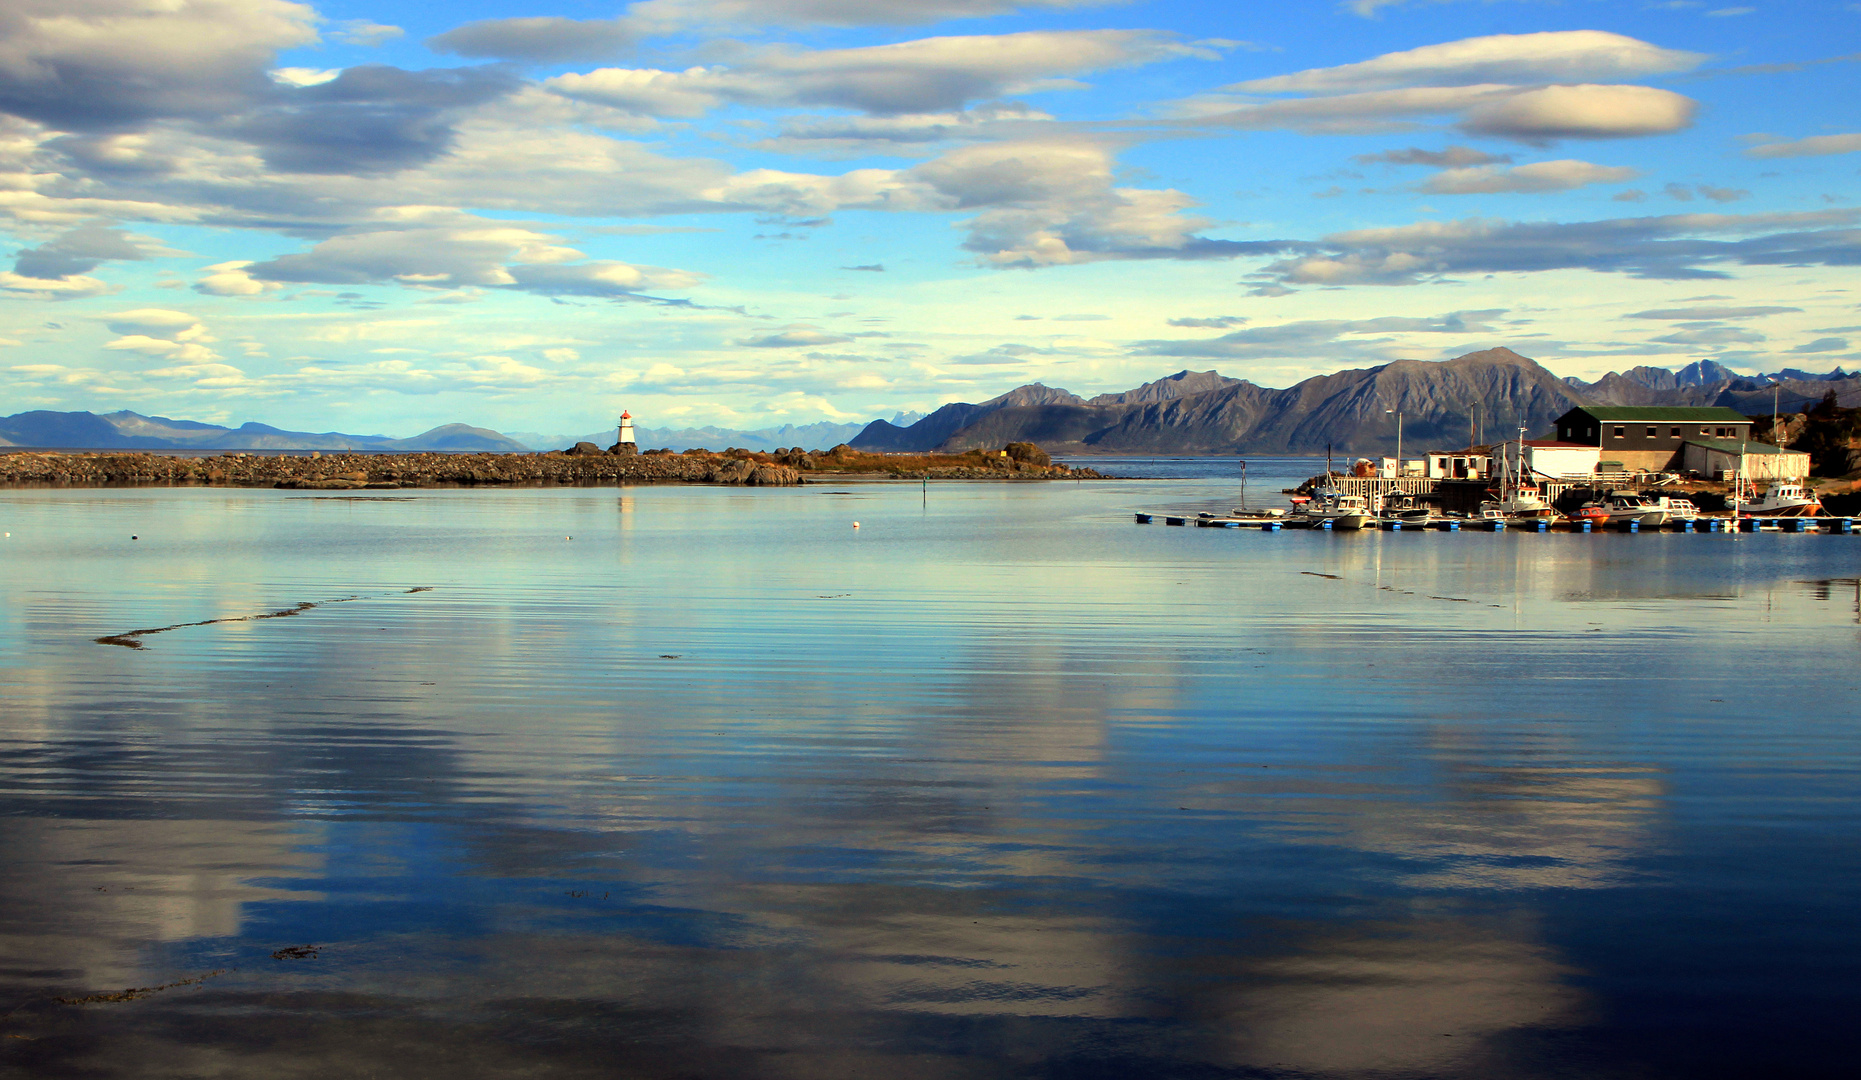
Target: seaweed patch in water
column 297, row 952
column 135, row 992
column 127, row 639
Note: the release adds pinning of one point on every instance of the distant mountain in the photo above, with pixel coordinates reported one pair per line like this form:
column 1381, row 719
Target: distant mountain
column 931, row 431
column 133, row 431
column 1181, row 384
column 1352, row 411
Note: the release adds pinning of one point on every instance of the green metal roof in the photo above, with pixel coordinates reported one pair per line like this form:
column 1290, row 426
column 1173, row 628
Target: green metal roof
column 1730, row 446
column 1664, row 414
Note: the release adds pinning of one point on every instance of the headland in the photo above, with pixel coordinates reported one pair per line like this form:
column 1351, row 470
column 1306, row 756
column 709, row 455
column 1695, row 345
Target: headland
column 583, row 464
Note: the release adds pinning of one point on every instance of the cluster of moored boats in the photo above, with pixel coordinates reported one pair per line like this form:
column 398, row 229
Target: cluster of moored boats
column 1524, row 504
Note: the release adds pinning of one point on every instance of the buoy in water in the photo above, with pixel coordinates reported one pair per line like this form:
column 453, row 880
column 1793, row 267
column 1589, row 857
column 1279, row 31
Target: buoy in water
column 856, row 524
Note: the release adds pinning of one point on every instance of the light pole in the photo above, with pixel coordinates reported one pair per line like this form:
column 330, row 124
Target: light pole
column 1398, row 413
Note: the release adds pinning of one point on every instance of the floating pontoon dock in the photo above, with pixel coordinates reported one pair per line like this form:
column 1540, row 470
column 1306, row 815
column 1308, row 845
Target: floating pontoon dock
column 1832, row 525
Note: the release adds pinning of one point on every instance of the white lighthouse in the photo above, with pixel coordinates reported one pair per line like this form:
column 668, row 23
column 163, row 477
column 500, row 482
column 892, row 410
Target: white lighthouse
column 626, row 432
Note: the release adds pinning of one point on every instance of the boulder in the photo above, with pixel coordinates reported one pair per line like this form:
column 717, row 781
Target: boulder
column 624, row 449
column 581, row 449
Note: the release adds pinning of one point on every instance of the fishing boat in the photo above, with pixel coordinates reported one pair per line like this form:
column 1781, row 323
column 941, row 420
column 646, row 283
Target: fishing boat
column 1341, row 511
column 1516, row 498
column 1778, row 500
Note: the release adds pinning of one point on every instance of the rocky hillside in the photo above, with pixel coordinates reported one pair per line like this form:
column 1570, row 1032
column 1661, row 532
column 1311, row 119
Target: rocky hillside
column 1444, row 405
column 1350, row 411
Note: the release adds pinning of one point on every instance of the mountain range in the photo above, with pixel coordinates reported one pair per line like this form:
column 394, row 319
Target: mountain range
column 133, row 431
column 1481, row 397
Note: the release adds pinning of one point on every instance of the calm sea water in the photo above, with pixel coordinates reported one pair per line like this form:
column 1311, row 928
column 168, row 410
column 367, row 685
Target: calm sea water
column 701, row 782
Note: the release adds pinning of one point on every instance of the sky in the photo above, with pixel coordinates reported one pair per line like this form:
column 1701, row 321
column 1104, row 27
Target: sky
column 381, row 217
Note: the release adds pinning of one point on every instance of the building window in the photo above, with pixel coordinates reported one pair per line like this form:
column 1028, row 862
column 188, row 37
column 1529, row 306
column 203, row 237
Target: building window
column 1653, row 432
column 1673, row 433
column 1621, row 432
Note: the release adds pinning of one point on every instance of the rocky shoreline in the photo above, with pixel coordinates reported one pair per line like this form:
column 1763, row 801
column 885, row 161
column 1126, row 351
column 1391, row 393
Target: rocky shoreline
column 586, row 464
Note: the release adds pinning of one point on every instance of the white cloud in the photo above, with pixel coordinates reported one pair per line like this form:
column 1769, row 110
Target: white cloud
column 365, row 33
column 1553, row 56
column 1814, row 146
column 671, row 14
column 1495, row 85
column 159, row 322
column 1581, row 112
column 927, row 75
column 1539, row 176
column 73, row 287
column 230, row 279
column 303, row 76
column 794, row 337
column 89, row 64
column 471, row 252
column 538, row 38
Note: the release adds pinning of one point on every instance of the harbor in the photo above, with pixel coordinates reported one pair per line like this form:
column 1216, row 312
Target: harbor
column 1700, row 473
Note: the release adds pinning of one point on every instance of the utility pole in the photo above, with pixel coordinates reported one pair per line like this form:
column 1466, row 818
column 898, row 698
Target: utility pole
column 1398, row 413
column 1776, row 435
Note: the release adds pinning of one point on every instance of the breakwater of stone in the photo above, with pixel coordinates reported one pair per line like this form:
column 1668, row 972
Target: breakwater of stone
column 588, row 466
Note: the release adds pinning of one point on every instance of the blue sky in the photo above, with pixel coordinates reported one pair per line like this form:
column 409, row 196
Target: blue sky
column 372, row 216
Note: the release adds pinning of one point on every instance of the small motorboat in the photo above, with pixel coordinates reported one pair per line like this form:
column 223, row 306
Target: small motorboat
column 1626, row 506
column 1593, row 512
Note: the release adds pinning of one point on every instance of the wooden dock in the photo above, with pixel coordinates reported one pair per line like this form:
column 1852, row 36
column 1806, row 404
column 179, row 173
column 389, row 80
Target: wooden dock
column 1834, row 526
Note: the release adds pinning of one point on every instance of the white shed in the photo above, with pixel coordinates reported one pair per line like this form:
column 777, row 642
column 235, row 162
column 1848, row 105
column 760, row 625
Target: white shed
column 1551, row 459
column 1720, row 459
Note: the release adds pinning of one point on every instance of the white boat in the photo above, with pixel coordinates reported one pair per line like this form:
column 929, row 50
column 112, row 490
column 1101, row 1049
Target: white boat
column 1342, row 511
column 1626, row 506
column 1677, row 509
column 1778, row 500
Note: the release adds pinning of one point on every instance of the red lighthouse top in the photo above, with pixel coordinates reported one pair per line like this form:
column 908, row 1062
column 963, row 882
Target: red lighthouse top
column 626, row 415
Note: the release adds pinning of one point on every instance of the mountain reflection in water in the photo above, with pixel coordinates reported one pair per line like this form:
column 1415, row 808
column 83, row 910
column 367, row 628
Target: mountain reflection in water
column 701, row 782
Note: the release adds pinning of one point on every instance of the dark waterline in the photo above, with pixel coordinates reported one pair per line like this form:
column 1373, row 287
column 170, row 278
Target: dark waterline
column 704, row 782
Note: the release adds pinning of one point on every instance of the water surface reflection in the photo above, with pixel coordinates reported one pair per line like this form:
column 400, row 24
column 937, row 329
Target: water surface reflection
column 695, row 782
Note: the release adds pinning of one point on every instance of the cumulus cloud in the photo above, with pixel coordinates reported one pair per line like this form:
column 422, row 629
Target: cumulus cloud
column 1696, row 314
column 75, row 287
column 1711, row 336
column 487, row 254
column 76, row 252
column 1553, row 56
column 794, row 337
column 1301, row 338
column 365, row 32
column 231, row 279
column 1218, row 322
column 1452, row 157
column 85, row 65
column 160, row 332
column 855, row 136
column 538, row 39
column 1586, row 111
column 1055, row 203
column 924, row 76
column 1814, row 146
column 371, row 118
column 1676, row 246
column 678, row 13
column 1539, row 176
column 1494, row 84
